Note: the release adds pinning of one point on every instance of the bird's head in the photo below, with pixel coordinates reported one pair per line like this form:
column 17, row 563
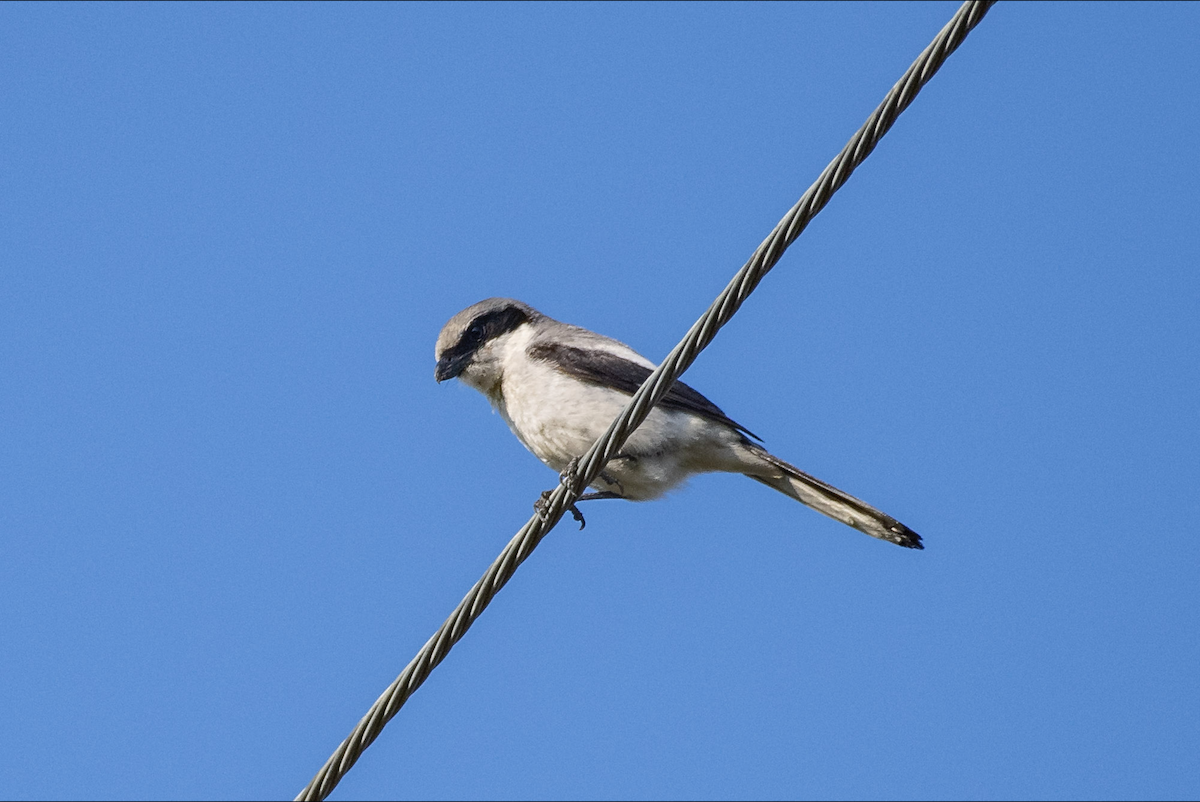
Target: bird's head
column 469, row 345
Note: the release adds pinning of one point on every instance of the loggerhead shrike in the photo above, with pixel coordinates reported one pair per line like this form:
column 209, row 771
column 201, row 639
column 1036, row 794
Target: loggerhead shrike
column 558, row 387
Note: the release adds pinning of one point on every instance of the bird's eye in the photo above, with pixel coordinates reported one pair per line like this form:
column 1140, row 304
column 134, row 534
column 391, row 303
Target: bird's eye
column 475, row 333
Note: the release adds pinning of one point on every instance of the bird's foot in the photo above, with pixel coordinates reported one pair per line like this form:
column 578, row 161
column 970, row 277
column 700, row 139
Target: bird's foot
column 568, row 480
column 541, row 507
column 608, row 480
column 568, row 477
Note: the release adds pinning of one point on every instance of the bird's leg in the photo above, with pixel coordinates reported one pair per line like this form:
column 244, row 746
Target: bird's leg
column 598, row 496
column 540, row 507
column 607, row 480
column 568, row 479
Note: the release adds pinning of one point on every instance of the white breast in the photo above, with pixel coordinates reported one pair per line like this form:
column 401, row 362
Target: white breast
column 558, row 418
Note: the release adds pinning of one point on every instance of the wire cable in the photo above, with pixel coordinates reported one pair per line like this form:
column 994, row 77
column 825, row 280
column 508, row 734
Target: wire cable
column 588, row 466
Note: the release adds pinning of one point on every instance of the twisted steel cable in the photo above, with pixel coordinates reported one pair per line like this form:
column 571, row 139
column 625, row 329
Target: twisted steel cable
column 589, row 465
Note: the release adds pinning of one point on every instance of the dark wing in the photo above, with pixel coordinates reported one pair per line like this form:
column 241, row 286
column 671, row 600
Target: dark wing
column 607, row 369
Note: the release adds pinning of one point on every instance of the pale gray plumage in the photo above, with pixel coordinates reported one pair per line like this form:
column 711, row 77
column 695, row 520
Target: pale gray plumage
column 558, row 387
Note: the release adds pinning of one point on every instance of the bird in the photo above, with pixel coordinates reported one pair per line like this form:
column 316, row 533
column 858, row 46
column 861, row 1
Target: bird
column 559, row 386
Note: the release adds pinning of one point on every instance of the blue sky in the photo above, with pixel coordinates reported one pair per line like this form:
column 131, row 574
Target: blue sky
column 234, row 503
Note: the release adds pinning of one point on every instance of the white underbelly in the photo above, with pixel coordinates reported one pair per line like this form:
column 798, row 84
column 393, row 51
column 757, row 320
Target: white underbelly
column 558, row 418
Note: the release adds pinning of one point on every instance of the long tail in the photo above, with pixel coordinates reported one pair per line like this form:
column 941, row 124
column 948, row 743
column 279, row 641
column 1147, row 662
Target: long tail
column 840, row 506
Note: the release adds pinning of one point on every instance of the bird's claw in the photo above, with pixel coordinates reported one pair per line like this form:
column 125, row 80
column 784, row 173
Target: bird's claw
column 541, row 507
column 569, row 480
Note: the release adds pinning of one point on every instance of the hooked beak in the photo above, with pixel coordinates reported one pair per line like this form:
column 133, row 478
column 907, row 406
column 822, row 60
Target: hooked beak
column 450, row 367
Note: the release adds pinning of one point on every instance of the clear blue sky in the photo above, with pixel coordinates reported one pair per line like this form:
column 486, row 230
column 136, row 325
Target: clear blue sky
column 234, row 503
